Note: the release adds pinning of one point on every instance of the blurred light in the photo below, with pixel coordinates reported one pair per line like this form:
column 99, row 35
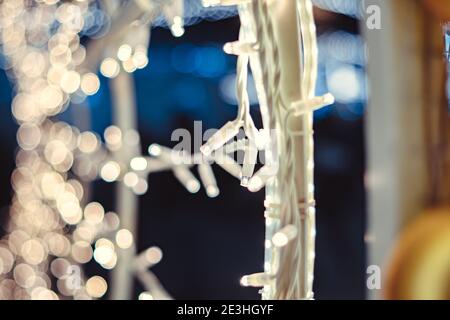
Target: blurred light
column 153, row 255
column 113, row 137
column 96, row 287
column 131, row 179
column 110, row 68
column 90, row 84
column 124, row 239
column 24, row 275
column 88, row 142
column 146, row 296
column 70, row 81
column 33, row 252
column 124, row 52
column 138, row 164
column 140, row 59
column 210, row 61
column 177, row 27
column 82, row 251
column 154, row 150
column 104, row 251
column 94, row 213
column 129, row 65
column 140, row 187
column 112, row 221
column 110, row 172
column 345, row 84
column 6, row 260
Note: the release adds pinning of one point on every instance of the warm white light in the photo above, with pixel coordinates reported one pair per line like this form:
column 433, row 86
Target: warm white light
column 70, row 81
column 90, row 84
column 110, row 68
column 113, row 137
column 124, row 52
column 154, row 150
column 284, row 236
column 140, row 187
column 131, row 179
column 146, row 296
column 140, row 59
column 177, row 27
column 96, row 287
column 153, row 255
column 104, row 251
column 110, row 171
column 208, row 179
column 124, row 239
column 138, row 164
column 87, row 142
column 81, row 251
column 94, row 213
column 256, row 280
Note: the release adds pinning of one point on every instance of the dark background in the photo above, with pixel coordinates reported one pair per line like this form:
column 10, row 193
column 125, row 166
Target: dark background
column 209, row 244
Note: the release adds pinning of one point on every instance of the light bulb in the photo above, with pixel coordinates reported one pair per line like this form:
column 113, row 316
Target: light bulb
column 187, row 179
column 284, row 236
column 248, row 167
column 256, row 280
column 138, row 164
column 154, row 150
column 208, row 179
column 238, row 48
column 259, row 180
column 222, row 136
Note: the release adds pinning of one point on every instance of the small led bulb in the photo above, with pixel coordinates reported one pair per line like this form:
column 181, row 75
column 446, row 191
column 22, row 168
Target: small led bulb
column 208, row 179
column 256, row 280
column 248, row 167
column 148, row 258
column 187, row 179
column 173, row 12
column 259, row 180
column 284, row 236
column 154, row 150
column 139, row 164
column 221, row 137
column 238, row 48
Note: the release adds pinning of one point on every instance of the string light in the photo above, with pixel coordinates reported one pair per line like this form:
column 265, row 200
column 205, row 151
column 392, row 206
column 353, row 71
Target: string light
column 284, row 236
column 256, row 280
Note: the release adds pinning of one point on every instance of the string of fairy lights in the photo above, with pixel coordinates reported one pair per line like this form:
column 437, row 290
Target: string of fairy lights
column 290, row 214
column 53, row 229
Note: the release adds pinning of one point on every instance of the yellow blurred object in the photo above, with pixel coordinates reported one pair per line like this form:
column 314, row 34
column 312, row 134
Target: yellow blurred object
column 420, row 265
